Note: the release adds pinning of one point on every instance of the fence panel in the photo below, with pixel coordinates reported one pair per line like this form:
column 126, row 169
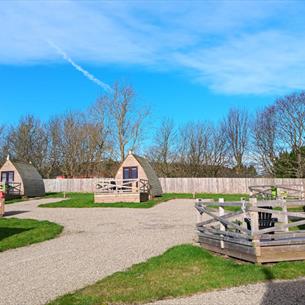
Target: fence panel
column 176, row 185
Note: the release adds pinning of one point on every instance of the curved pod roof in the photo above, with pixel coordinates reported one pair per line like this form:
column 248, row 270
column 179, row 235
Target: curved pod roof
column 31, row 181
column 145, row 172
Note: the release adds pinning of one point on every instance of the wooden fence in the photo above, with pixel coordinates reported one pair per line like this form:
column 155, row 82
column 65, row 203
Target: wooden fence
column 251, row 233
column 176, row 185
column 220, row 185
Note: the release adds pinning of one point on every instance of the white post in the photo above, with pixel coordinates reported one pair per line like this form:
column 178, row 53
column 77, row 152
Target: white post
column 199, row 215
column 221, row 212
column 285, row 210
column 254, row 227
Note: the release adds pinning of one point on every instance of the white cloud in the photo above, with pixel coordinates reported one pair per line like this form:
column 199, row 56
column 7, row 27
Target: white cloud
column 85, row 33
column 267, row 62
column 232, row 47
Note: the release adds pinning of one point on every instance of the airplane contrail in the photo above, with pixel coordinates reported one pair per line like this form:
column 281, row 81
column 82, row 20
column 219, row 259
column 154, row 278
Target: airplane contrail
column 87, row 74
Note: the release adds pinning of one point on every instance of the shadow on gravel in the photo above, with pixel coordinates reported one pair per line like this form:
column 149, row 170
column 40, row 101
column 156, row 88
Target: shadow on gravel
column 284, row 293
column 12, row 213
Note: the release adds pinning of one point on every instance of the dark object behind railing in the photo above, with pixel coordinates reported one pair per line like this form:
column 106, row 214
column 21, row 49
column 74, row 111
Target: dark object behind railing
column 265, row 220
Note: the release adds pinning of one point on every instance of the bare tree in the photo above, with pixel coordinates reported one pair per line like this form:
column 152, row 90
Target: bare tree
column 78, row 145
column 98, row 115
column 265, row 137
column 236, row 128
column 93, row 148
column 71, row 144
column 194, row 150
column 218, row 157
column 28, row 141
column 163, row 152
column 54, row 158
column 202, row 150
column 290, row 116
column 126, row 120
column 84, row 142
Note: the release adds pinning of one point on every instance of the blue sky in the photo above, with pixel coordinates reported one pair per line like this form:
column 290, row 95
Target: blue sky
column 188, row 60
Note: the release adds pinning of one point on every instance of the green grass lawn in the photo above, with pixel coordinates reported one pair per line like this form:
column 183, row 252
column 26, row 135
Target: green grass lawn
column 16, row 232
column 22, row 199
column 15, row 200
column 86, row 200
column 180, row 271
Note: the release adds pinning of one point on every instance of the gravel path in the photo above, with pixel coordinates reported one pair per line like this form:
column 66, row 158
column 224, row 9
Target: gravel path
column 97, row 242
column 270, row 293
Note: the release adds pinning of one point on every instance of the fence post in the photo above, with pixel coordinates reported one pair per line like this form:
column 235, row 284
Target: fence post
column 199, row 215
column 221, row 212
column 254, row 227
column 285, row 210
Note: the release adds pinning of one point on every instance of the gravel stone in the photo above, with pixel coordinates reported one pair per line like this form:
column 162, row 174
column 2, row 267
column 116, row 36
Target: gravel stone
column 270, row 293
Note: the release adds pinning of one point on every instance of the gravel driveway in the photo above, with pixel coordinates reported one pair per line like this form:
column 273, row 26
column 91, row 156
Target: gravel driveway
column 97, row 242
column 270, row 293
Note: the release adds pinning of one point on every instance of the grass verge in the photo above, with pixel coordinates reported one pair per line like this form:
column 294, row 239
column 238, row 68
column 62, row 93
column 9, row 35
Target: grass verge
column 22, row 199
column 180, row 271
column 15, row 232
column 86, row 200
column 16, row 200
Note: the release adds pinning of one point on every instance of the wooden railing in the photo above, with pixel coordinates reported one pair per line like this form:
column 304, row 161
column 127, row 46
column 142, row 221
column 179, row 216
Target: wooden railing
column 11, row 188
column 295, row 191
column 231, row 226
column 123, row 186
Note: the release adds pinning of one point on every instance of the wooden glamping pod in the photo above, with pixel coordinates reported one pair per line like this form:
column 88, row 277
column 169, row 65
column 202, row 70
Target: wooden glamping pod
column 21, row 179
column 135, row 181
column 263, row 230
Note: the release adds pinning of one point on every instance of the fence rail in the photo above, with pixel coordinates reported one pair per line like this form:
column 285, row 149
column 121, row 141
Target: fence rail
column 114, row 186
column 11, row 188
column 272, row 191
column 178, row 185
column 252, row 233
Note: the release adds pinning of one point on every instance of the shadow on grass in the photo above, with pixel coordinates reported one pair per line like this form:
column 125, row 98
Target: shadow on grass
column 6, row 232
column 268, row 273
column 56, row 194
